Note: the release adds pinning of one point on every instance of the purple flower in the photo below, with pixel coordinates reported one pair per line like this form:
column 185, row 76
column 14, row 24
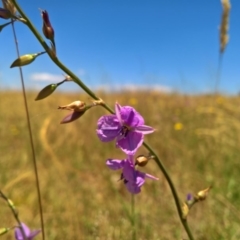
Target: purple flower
column 28, row 233
column 132, row 178
column 126, row 126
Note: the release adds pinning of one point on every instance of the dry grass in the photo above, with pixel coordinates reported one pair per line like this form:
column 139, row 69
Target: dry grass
column 197, row 138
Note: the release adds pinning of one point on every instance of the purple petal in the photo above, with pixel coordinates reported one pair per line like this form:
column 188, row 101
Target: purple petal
column 72, row 117
column 130, row 143
column 108, row 128
column 34, row 233
column 18, row 233
column 140, row 180
column 117, row 112
column 132, row 187
column 115, row 164
column 131, row 117
column 128, row 171
column 144, row 129
column 150, row 176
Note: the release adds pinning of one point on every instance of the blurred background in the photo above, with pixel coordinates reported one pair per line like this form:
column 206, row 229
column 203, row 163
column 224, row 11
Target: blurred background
column 162, row 58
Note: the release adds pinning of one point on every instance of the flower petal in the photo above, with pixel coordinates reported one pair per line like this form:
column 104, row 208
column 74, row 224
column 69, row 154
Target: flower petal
column 144, row 129
column 131, row 117
column 118, row 113
column 108, row 128
column 18, row 233
column 34, row 233
column 71, row 117
column 115, row 164
column 133, row 188
column 128, row 171
column 130, row 143
column 151, row 176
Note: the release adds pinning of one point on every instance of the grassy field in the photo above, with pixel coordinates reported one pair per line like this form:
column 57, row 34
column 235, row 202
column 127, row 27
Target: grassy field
column 197, row 139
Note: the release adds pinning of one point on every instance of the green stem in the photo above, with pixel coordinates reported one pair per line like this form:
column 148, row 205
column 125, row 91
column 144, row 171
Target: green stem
column 30, row 135
column 133, row 217
column 90, row 93
column 172, row 187
column 14, row 212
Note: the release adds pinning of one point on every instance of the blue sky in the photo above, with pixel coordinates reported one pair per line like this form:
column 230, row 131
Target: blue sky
column 170, row 45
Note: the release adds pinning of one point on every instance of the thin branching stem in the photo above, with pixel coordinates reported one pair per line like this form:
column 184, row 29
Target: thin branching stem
column 134, row 237
column 92, row 94
column 14, row 212
column 30, row 135
column 173, row 190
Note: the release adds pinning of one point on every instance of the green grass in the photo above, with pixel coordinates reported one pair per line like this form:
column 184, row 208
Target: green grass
column 81, row 196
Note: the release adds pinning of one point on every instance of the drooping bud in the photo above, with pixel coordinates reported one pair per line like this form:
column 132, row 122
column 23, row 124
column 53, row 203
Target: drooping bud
column 25, row 59
column 72, row 117
column 78, row 108
column 47, row 29
column 5, row 14
column 202, row 195
column 7, row 4
column 185, row 211
column 141, row 161
column 45, row 92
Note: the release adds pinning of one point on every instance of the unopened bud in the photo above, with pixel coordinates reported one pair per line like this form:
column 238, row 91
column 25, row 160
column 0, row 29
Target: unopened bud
column 72, row 117
column 4, row 13
column 76, row 106
column 45, row 92
column 185, row 211
column 25, row 59
column 202, row 195
column 47, row 29
column 7, row 4
column 141, row 160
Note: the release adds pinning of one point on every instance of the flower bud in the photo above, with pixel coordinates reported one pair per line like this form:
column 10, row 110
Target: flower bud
column 76, row 106
column 25, row 60
column 47, row 29
column 141, row 161
column 202, row 195
column 72, row 117
column 8, row 5
column 4, row 13
column 45, row 92
column 185, row 211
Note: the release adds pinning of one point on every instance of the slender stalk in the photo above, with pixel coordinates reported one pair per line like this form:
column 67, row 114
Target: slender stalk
column 174, row 191
column 14, row 212
column 133, row 217
column 30, row 136
column 90, row 93
column 218, row 76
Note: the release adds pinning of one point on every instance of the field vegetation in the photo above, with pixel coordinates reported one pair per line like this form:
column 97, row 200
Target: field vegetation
column 197, row 138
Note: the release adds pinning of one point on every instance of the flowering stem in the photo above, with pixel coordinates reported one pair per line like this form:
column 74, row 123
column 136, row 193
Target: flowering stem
column 14, row 212
column 55, row 59
column 30, row 134
column 172, row 187
column 133, row 217
column 92, row 94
